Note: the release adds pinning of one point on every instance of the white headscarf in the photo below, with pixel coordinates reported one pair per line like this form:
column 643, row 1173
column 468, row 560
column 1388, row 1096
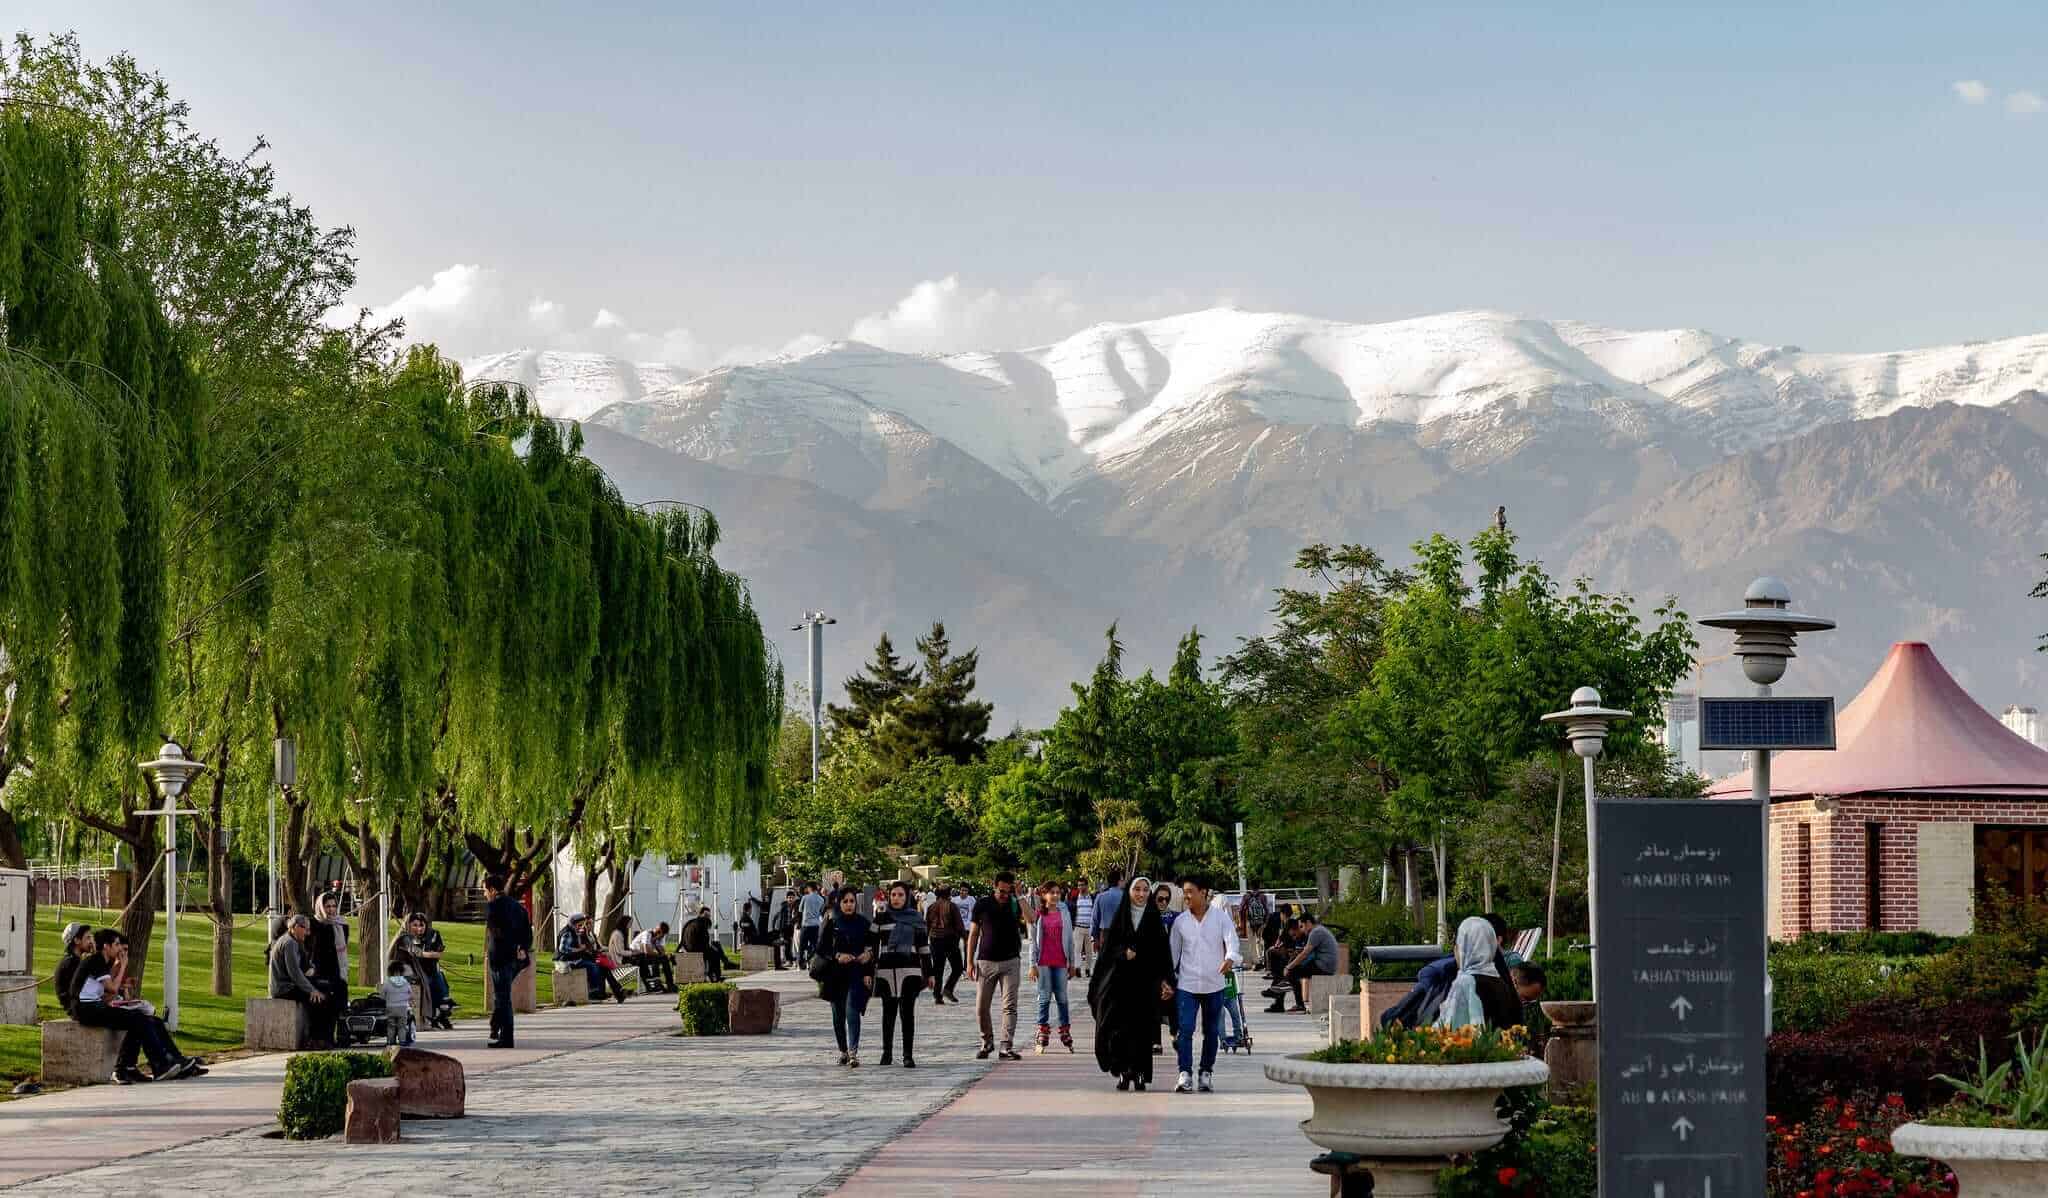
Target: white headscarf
column 1137, row 910
column 1476, row 946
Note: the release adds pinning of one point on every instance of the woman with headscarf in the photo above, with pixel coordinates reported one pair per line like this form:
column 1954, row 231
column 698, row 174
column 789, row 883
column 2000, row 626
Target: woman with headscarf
column 1479, row 995
column 1169, row 1010
column 843, row 943
column 903, row 950
column 1128, row 984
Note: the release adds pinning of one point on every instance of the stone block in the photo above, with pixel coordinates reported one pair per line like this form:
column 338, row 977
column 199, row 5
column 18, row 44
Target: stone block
column 372, row 1112
column 524, row 999
column 1317, row 991
column 431, row 1085
column 17, row 999
column 572, row 987
column 753, row 1012
column 76, row 1055
column 1346, row 1017
column 757, row 958
column 274, row 1025
column 1343, row 958
column 690, row 968
column 1381, row 997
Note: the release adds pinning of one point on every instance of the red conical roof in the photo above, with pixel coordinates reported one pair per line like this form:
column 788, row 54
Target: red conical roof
column 1912, row 729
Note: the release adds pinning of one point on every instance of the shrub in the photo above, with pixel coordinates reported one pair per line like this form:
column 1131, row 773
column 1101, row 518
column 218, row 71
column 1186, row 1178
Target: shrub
column 1362, row 924
column 2032, row 1015
column 1846, row 1148
column 2004, row 1096
column 704, row 1006
column 1548, row 1152
column 1892, row 1046
column 314, row 1102
column 1568, row 977
column 1883, row 944
column 1811, row 991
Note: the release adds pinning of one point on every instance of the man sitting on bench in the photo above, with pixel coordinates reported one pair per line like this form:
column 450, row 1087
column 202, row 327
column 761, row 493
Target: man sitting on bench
column 657, row 970
column 290, row 981
column 1317, row 957
column 105, row 999
column 697, row 939
column 578, row 948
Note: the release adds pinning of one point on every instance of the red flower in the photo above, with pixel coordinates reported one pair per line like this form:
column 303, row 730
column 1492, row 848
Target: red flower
column 1895, row 1101
column 1506, row 1176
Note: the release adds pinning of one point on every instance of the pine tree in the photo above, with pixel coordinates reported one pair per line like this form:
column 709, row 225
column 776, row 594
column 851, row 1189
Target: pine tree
column 875, row 692
column 939, row 717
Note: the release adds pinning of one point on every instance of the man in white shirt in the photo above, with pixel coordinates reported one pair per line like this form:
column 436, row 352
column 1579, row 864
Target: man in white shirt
column 1204, row 944
column 1084, row 931
column 649, row 952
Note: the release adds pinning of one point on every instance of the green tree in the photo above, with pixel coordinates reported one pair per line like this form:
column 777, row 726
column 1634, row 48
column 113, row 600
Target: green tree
column 938, row 716
column 875, row 693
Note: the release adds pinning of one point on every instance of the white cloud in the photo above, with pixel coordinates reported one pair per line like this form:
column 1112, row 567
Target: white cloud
column 2025, row 103
column 943, row 316
column 469, row 310
column 1971, row 91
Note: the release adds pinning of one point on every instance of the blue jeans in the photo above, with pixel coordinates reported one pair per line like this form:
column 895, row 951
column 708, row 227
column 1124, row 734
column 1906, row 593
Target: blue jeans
column 848, row 1005
column 502, row 977
column 1052, row 987
column 1211, row 1007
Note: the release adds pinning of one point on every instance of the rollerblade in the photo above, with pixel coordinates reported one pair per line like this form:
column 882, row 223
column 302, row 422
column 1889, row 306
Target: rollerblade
column 1044, row 1038
column 1066, row 1037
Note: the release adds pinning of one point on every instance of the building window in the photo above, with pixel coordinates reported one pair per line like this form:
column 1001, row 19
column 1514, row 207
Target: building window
column 2012, row 862
column 1873, row 876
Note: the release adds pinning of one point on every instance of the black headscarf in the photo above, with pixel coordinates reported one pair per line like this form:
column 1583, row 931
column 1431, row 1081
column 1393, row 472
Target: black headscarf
column 1123, row 993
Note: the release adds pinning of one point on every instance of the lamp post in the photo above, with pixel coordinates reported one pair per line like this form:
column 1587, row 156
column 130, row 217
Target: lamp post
column 284, row 757
column 1585, row 728
column 171, row 772
column 1766, row 629
column 814, row 623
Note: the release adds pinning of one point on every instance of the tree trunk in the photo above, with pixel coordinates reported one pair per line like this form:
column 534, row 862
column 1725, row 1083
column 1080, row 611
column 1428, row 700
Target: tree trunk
column 1556, row 855
column 13, row 854
column 145, row 888
column 1486, row 890
column 298, row 855
column 617, row 873
column 1441, row 853
column 219, row 879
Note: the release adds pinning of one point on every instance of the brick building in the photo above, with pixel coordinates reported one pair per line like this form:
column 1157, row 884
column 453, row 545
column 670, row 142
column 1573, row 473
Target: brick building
column 1927, row 801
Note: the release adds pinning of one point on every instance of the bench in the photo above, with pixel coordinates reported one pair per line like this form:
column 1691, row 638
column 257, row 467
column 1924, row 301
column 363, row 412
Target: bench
column 1347, row 1016
column 572, row 986
column 757, row 958
column 690, row 968
column 77, row 1055
column 524, row 992
column 275, row 1025
column 1317, row 991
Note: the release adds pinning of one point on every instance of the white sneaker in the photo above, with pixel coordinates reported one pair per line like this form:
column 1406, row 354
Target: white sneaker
column 1185, row 1084
column 1205, row 1084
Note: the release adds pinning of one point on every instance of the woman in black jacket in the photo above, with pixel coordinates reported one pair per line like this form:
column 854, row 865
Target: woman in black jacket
column 1129, row 982
column 903, row 953
column 843, row 942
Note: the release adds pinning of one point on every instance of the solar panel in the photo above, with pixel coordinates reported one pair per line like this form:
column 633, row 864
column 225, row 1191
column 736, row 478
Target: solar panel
column 1767, row 723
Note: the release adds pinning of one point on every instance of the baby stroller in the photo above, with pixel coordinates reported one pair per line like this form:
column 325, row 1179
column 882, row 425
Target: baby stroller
column 386, row 1013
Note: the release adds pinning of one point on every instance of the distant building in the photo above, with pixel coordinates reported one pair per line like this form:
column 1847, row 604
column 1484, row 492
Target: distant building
column 2025, row 721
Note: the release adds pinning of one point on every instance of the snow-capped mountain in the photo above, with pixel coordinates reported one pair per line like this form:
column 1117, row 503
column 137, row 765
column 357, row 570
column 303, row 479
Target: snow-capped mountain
column 1047, row 418
column 1164, row 473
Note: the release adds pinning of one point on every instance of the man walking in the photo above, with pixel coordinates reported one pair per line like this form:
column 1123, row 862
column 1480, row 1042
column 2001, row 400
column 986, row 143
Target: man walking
column 1108, row 901
column 1084, row 930
column 995, row 945
column 508, row 952
column 811, row 916
column 942, row 922
column 1203, row 942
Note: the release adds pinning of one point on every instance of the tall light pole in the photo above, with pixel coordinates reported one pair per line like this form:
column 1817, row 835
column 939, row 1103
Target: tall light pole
column 814, row 622
column 1765, row 629
column 1585, row 727
column 171, row 772
column 284, row 757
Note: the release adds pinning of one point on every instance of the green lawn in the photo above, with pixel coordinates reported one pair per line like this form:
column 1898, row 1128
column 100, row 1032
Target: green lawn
column 209, row 1023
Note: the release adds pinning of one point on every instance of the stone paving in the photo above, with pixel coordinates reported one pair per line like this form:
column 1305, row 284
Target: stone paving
column 658, row 1113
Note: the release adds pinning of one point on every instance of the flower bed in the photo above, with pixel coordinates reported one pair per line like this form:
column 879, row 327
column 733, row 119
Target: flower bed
column 1399, row 1045
column 1845, row 1148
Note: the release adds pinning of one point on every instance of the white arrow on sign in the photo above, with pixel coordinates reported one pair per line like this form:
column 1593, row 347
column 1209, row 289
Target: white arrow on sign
column 1681, row 1005
column 1683, row 1126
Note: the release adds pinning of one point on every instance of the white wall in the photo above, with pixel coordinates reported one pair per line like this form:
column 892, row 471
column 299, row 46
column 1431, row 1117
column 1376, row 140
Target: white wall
column 654, row 896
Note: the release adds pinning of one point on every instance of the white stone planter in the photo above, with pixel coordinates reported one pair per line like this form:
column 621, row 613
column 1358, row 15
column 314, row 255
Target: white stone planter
column 1405, row 1120
column 1989, row 1162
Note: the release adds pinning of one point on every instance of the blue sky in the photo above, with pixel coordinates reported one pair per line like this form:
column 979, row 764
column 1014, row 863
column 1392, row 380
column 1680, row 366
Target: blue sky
column 695, row 182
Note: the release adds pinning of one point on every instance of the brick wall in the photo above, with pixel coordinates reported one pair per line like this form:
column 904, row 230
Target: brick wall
column 1927, row 861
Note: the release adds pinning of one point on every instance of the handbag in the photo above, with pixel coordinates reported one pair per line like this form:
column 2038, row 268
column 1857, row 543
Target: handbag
column 821, row 968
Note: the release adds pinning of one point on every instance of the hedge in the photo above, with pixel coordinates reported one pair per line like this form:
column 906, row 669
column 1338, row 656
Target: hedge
column 705, row 1007
column 1890, row 1046
column 1811, row 991
column 315, row 1098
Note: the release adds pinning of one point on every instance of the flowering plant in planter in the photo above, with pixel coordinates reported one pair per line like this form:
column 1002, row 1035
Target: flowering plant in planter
column 1846, row 1149
column 1398, row 1045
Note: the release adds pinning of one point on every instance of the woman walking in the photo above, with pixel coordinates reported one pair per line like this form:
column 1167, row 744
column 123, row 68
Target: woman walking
column 1126, row 989
column 1051, row 940
column 844, row 942
column 902, row 950
column 1169, row 1010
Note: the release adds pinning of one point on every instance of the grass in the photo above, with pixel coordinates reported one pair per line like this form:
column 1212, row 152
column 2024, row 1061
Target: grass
column 209, row 1022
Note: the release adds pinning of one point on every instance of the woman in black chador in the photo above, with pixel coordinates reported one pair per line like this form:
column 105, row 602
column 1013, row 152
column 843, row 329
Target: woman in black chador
column 1130, row 975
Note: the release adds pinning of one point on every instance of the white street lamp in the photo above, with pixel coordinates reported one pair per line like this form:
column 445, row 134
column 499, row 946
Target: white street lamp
column 171, row 773
column 814, row 622
column 1585, row 728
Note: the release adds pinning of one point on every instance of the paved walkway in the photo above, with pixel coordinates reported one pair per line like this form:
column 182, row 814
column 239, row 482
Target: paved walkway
column 605, row 1099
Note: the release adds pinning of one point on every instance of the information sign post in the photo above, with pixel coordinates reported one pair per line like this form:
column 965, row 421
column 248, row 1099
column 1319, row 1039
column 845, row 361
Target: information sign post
column 1681, row 977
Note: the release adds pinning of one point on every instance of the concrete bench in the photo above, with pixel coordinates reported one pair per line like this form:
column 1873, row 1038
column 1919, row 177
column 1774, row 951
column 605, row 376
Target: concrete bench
column 77, row 1055
column 572, row 987
column 17, row 999
column 1381, row 997
column 1347, row 1017
column 752, row 1012
column 757, row 958
column 525, row 1000
column 690, row 968
column 275, row 1025
column 1317, row 991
